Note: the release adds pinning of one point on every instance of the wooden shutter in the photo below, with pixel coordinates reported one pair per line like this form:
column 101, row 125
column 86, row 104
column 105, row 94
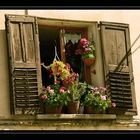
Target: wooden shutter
column 115, row 41
column 24, row 57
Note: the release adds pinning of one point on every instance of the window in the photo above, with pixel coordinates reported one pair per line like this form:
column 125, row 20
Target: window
column 31, row 42
column 66, row 41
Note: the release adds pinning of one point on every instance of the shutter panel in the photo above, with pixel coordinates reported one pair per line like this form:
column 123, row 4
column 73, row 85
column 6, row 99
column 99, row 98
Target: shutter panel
column 25, row 73
column 115, row 44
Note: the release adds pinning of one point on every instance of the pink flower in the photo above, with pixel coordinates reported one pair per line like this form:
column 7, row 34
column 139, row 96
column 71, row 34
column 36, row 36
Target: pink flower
column 61, row 90
column 77, row 75
column 84, row 42
column 113, row 104
column 64, row 88
column 51, row 91
column 48, row 88
column 55, row 81
column 103, row 97
column 43, row 97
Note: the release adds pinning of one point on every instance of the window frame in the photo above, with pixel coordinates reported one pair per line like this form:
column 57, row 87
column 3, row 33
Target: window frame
column 93, row 33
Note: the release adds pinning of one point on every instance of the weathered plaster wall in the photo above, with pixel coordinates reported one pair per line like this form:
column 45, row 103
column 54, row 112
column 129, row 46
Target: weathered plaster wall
column 3, row 12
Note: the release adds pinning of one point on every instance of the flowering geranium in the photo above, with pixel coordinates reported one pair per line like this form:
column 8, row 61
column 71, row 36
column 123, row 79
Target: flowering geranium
column 85, row 48
column 74, row 86
column 54, row 95
column 59, row 70
column 65, row 81
column 97, row 98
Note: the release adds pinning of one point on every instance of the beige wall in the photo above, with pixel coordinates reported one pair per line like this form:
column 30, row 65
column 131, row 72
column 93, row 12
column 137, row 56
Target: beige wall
column 132, row 17
column 3, row 12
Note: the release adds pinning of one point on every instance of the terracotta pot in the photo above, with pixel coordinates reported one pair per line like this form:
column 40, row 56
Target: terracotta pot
column 53, row 109
column 89, row 61
column 41, row 108
column 73, row 107
column 91, row 110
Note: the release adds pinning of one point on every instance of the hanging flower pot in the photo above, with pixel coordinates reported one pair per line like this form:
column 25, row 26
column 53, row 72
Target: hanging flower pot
column 88, row 59
column 87, row 50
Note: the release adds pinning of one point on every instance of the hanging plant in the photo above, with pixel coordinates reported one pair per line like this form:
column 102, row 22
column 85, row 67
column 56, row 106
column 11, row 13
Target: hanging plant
column 87, row 50
column 59, row 69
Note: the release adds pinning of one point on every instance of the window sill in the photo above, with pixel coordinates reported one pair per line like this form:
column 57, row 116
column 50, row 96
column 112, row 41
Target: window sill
column 76, row 116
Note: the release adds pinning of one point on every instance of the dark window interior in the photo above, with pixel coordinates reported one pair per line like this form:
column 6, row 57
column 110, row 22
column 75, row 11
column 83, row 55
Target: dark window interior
column 48, row 37
column 72, row 40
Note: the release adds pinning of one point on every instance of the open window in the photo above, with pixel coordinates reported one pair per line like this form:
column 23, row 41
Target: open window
column 66, row 41
column 31, row 43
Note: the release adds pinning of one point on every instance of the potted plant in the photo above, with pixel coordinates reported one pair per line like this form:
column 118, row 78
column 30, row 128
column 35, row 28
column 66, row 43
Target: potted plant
column 54, row 97
column 96, row 100
column 65, row 81
column 87, row 50
column 75, row 87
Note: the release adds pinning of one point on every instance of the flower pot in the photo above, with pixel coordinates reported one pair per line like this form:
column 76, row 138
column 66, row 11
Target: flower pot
column 73, row 107
column 91, row 110
column 41, row 108
column 50, row 109
column 88, row 59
